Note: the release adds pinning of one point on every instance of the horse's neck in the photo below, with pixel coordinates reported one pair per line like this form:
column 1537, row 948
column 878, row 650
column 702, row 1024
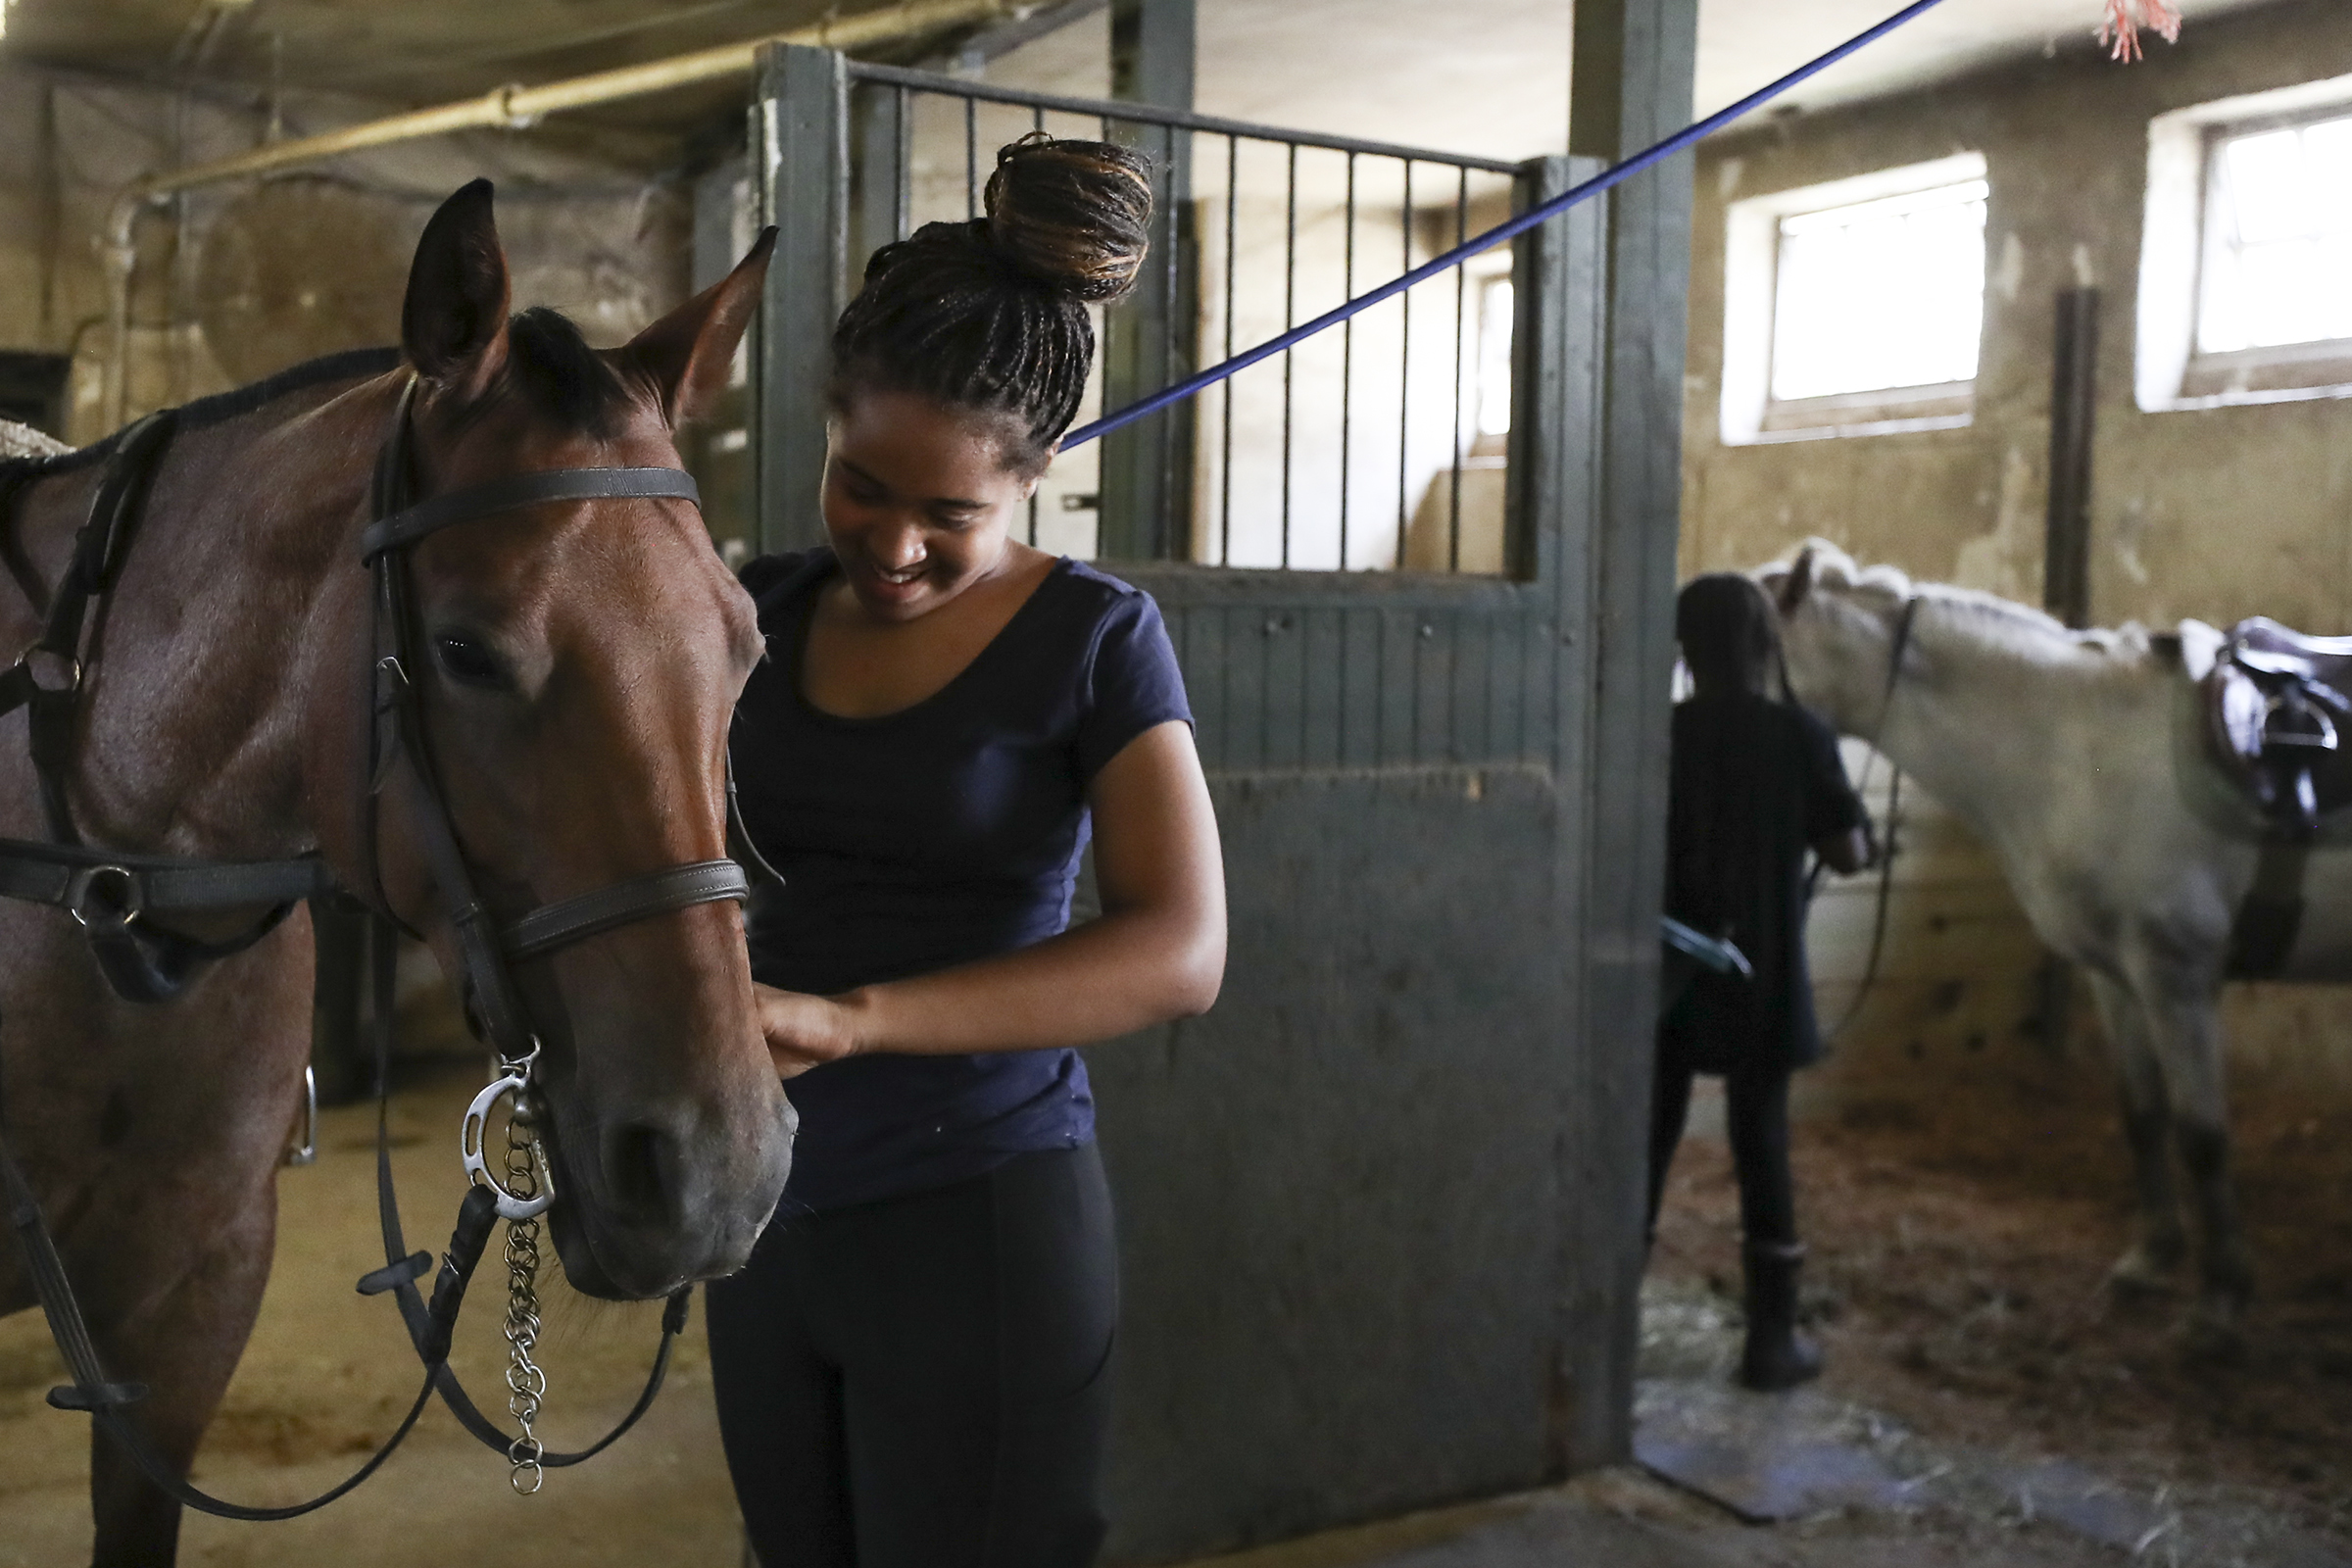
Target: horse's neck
column 206, row 685
column 1982, row 726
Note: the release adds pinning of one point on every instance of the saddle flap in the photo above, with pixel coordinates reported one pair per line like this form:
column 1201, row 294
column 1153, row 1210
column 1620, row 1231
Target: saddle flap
column 2271, row 703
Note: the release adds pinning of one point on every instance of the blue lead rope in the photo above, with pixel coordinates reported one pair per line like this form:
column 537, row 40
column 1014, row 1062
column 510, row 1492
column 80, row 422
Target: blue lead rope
column 1616, row 175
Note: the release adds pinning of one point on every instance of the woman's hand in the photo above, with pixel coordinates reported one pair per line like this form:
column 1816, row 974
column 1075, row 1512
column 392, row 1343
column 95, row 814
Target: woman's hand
column 804, row 1031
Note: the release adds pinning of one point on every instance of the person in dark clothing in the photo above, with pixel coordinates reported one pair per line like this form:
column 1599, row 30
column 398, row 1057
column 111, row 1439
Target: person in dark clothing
column 910, row 1372
column 1753, row 783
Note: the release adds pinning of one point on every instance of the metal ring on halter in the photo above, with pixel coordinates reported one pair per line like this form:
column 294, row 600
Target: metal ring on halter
column 515, row 1079
column 306, row 1152
column 95, row 914
column 72, row 670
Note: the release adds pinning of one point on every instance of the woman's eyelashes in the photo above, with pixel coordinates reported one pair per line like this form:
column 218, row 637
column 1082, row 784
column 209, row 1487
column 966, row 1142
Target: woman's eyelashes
column 469, row 661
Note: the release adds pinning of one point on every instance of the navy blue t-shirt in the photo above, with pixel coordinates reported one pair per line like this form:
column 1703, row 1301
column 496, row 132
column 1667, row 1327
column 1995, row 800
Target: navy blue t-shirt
column 944, row 832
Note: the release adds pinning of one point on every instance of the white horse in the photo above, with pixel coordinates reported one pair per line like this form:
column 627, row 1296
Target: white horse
column 2075, row 755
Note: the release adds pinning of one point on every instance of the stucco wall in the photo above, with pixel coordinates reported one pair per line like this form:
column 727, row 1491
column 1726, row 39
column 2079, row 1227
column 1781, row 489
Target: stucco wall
column 2216, row 513
column 240, row 279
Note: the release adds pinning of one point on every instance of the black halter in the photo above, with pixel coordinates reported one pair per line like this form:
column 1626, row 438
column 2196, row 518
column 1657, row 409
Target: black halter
column 488, row 947
column 1899, row 646
column 110, row 895
column 115, row 896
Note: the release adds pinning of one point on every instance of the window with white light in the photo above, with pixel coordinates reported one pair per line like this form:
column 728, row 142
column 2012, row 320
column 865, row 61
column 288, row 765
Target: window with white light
column 2277, row 240
column 1494, row 306
column 1856, row 307
column 2247, row 251
column 1879, row 295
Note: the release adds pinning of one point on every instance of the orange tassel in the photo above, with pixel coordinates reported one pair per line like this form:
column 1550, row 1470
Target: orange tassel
column 2125, row 18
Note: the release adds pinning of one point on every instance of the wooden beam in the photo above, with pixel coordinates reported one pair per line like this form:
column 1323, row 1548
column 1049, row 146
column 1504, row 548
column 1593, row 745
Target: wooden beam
column 799, row 134
column 1147, row 341
column 1631, row 85
column 2074, row 416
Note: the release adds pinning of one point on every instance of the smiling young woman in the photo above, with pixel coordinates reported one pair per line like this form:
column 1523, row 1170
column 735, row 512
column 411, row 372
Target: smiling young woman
column 911, row 1372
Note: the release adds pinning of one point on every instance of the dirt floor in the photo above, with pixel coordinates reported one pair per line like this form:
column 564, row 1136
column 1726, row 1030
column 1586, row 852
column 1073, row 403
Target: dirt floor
column 328, row 1374
column 1957, row 1284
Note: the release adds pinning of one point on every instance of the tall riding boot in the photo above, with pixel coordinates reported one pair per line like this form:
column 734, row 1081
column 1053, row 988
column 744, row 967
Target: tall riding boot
column 1776, row 1357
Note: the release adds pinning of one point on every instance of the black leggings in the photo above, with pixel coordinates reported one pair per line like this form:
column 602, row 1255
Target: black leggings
column 920, row 1382
column 1757, row 1115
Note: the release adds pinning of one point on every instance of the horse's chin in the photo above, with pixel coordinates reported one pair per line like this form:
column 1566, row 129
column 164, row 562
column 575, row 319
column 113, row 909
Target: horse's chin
column 576, row 1243
column 581, row 1266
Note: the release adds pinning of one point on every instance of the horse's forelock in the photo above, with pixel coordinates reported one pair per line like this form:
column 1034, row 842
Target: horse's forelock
column 551, row 365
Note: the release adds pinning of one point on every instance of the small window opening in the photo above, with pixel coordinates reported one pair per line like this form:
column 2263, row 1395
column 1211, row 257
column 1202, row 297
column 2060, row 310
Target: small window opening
column 1856, row 307
column 1879, row 295
column 2277, row 240
column 1494, row 306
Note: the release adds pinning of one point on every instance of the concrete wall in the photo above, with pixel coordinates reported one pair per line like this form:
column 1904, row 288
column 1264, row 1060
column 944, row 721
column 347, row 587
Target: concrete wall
column 237, row 281
column 2216, row 513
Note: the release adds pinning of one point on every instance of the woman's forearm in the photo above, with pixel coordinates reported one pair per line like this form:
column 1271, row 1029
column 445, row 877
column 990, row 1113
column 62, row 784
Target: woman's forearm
column 1123, row 972
column 1157, row 953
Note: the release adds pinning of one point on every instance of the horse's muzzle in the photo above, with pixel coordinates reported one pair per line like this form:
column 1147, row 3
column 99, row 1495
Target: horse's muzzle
column 654, row 1211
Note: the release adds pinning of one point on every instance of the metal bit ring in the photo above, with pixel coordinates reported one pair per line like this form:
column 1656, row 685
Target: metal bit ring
column 515, row 1080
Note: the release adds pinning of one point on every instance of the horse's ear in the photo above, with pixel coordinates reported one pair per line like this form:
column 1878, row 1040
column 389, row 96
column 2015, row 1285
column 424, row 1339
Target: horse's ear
column 452, row 325
column 1799, row 583
column 686, row 354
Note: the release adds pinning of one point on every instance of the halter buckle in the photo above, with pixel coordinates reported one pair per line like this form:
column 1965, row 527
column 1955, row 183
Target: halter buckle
column 94, row 912
column 71, row 668
column 515, row 1078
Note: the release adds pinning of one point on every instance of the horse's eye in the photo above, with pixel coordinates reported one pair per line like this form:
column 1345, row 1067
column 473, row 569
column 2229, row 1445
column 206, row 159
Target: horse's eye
column 467, row 662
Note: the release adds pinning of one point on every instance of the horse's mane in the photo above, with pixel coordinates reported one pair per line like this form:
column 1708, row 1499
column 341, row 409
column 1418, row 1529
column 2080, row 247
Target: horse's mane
column 546, row 355
column 352, row 365
column 2020, row 628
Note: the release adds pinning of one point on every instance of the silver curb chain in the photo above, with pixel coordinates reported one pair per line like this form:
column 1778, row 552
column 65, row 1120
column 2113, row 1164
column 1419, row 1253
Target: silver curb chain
column 526, row 1380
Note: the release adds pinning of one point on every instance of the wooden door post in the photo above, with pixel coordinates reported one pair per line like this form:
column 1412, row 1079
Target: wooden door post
column 1148, row 336
column 1630, row 85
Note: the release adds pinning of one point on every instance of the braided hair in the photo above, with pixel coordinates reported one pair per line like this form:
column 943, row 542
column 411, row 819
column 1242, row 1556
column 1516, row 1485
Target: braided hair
column 991, row 314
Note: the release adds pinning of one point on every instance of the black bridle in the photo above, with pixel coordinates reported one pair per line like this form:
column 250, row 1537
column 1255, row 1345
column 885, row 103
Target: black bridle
column 1899, row 646
column 488, row 946
column 113, row 896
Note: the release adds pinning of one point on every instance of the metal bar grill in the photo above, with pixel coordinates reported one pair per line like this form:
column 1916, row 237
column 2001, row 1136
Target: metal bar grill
column 1404, row 369
column 1351, row 454
column 1233, row 187
column 1453, row 465
column 1347, row 360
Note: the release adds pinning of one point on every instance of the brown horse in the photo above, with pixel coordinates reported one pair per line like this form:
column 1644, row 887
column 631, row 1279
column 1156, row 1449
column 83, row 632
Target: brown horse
column 585, row 660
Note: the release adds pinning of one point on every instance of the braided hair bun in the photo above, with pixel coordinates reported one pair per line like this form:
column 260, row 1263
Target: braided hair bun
column 1074, row 215
column 991, row 314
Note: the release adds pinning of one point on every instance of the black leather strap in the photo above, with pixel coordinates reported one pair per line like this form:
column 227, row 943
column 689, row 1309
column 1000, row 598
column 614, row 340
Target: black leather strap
column 403, row 1269
column 2264, row 930
column 679, row 887
column 407, row 526
column 77, row 877
column 98, row 549
column 740, row 843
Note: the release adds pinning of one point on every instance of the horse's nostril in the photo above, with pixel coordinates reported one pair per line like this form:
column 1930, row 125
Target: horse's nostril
column 638, row 1166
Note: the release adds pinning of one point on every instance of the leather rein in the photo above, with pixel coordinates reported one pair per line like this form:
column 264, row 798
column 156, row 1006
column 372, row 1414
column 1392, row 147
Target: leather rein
column 114, row 896
column 1900, row 645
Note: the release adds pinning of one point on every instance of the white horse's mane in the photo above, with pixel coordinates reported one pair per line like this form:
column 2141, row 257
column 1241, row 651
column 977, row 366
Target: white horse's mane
column 2016, row 629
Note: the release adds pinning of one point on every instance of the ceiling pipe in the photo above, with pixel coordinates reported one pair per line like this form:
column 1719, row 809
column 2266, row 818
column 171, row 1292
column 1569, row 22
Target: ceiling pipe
column 510, row 107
